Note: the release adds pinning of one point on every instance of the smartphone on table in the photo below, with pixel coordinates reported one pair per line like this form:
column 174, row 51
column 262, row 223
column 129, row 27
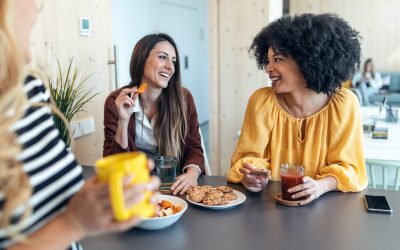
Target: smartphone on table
column 377, row 204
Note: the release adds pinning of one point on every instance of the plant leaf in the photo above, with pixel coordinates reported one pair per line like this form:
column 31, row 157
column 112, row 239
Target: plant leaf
column 69, row 95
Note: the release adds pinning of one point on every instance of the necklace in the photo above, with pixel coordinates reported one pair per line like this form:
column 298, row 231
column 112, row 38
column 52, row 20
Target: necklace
column 149, row 112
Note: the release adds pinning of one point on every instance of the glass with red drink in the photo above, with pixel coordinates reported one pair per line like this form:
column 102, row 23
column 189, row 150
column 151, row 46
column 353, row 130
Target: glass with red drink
column 291, row 175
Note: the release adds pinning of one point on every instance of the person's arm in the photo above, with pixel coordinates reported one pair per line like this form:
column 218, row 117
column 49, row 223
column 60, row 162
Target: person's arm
column 186, row 180
column 311, row 189
column 57, row 234
column 253, row 182
column 192, row 149
column 254, row 137
column 116, row 122
column 376, row 82
column 356, row 80
column 346, row 153
column 345, row 170
column 88, row 213
column 193, row 159
column 121, row 135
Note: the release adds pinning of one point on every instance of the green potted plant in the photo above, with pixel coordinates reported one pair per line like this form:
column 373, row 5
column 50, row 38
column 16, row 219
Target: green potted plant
column 69, row 96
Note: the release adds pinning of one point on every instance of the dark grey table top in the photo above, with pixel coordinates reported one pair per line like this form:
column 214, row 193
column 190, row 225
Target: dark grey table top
column 335, row 221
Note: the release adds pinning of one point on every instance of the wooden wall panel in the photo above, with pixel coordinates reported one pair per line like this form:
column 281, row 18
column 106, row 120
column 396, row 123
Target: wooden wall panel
column 214, row 87
column 56, row 33
column 376, row 20
column 233, row 73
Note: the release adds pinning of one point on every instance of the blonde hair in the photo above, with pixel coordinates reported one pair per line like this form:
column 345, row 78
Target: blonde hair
column 14, row 182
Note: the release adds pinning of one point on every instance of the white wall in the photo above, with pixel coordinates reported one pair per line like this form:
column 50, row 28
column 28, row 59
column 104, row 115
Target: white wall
column 133, row 19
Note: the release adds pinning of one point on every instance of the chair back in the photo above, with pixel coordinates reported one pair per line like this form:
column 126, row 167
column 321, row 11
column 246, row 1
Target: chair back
column 378, row 174
column 206, row 165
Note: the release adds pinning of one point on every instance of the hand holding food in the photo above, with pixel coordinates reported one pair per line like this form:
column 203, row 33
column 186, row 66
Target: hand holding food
column 124, row 102
column 142, row 88
column 254, row 178
column 259, row 171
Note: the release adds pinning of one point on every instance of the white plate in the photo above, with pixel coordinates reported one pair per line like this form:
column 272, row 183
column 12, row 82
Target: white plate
column 162, row 222
column 240, row 199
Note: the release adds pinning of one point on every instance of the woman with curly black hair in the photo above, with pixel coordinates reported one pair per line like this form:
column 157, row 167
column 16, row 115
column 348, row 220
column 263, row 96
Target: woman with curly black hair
column 305, row 117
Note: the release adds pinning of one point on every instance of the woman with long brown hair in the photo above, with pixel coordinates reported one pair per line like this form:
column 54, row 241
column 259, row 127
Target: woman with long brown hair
column 369, row 81
column 44, row 202
column 160, row 121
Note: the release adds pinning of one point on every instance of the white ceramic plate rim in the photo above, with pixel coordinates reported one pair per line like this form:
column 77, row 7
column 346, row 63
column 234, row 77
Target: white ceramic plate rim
column 240, row 199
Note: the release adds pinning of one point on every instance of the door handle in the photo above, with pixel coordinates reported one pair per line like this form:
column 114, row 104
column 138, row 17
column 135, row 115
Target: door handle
column 116, row 66
column 186, row 62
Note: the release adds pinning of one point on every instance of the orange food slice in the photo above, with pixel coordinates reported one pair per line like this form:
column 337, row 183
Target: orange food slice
column 176, row 209
column 142, row 87
column 166, row 204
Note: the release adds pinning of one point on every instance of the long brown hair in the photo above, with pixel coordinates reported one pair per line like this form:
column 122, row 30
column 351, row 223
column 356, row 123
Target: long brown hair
column 369, row 61
column 171, row 122
column 14, row 183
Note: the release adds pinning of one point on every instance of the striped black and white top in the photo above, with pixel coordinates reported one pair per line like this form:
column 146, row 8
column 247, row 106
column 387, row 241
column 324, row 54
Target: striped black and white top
column 53, row 172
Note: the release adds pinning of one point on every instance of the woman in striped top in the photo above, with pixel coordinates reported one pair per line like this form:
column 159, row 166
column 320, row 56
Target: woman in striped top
column 44, row 202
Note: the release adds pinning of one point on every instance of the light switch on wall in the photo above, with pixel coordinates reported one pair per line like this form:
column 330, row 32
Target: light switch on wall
column 84, row 26
column 82, row 127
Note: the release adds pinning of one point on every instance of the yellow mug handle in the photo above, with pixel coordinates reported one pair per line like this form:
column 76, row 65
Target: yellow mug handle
column 121, row 213
column 143, row 209
column 112, row 169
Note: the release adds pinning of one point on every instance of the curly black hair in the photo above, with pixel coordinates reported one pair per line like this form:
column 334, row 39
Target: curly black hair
column 326, row 49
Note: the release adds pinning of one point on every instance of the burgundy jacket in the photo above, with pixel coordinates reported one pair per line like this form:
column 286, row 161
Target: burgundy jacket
column 192, row 150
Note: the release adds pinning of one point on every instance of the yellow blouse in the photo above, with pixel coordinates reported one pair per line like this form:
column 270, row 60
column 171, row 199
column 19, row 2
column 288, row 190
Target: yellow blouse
column 332, row 144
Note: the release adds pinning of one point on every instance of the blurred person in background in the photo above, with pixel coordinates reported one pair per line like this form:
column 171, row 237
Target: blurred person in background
column 368, row 81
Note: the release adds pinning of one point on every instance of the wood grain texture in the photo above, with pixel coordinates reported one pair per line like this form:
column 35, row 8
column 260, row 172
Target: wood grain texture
column 56, row 34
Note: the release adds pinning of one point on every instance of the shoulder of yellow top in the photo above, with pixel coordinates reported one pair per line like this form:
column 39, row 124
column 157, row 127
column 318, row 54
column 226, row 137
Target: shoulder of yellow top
column 142, row 87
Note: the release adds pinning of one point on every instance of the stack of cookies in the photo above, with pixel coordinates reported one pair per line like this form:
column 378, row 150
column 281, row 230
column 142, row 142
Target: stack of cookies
column 211, row 196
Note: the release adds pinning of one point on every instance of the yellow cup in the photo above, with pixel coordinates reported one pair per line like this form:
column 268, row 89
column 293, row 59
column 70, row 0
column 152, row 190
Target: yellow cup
column 113, row 169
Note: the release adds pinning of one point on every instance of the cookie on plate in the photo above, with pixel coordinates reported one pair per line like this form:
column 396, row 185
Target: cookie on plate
column 224, row 201
column 225, row 189
column 230, row 196
column 193, row 188
column 215, row 193
column 207, row 189
column 197, row 195
column 212, row 200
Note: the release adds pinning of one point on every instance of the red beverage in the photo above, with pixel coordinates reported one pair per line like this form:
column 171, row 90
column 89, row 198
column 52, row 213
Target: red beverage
column 290, row 180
